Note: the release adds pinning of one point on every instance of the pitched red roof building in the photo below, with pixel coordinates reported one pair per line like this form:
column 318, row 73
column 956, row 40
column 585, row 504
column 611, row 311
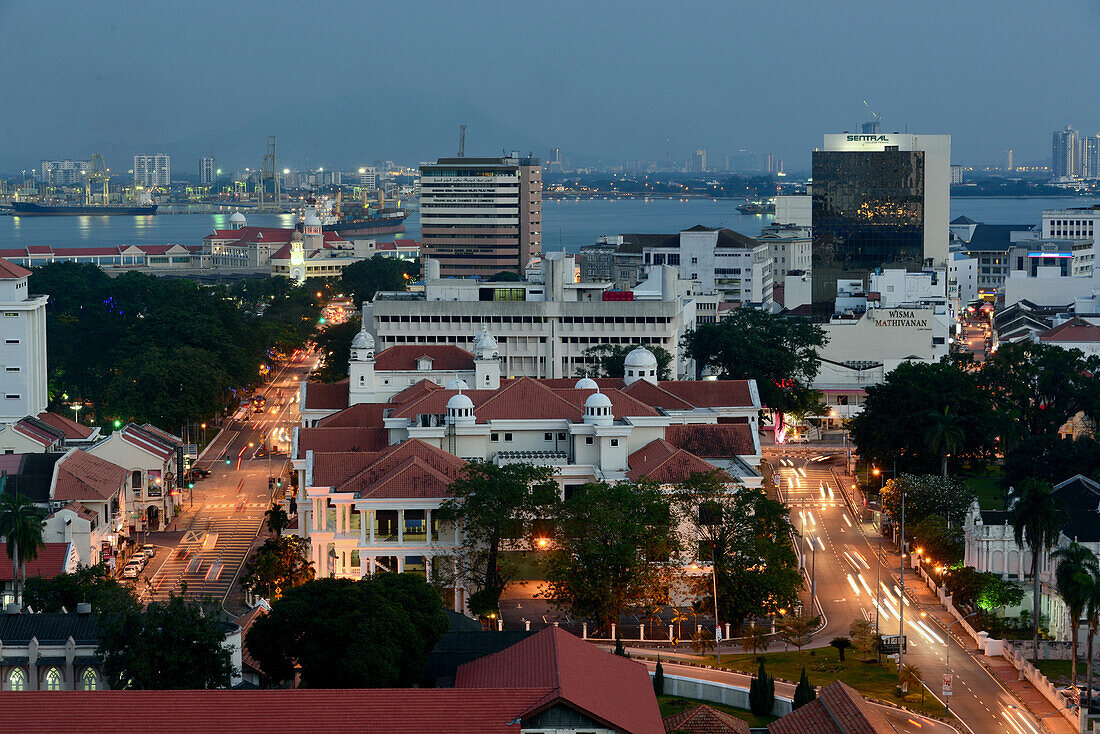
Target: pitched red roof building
column 82, row 476
column 664, row 463
column 53, row 559
column 705, row 720
column 407, row 357
column 838, row 709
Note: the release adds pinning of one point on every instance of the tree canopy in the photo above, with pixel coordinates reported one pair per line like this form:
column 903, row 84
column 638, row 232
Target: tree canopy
column 373, row 633
column 92, row 584
column 925, row 495
column 334, row 344
column 280, row 563
column 379, row 273
column 609, row 360
column 779, row 352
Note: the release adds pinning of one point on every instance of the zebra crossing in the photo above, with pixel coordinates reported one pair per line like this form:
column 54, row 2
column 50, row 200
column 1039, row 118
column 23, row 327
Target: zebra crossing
column 207, row 560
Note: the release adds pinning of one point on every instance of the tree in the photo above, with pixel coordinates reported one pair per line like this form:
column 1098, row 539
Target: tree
column 493, row 503
column 1092, row 610
column 276, row 519
column 803, row 692
column 279, row 564
column 610, row 543
column 762, row 692
column 797, row 630
column 373, row 633
column 746, row 536
column 1035, row 517
column 334, row 344
column 619, row 649
column 925, row 495
column 841, row 644
column 864, row 638
column 177, row 644
column 938, row 541
column 1041, row 386
column 659, row 678
column 779, row 352
column 983, row 589
column 609, row 360
column 703, row 641
column 1077, row 567
column 909, row 675
column 754, row 639
column 21, row 526
column 899, row 415
column 92, row 584
column 365, row 278
column 945, row 434
column 1051, row 458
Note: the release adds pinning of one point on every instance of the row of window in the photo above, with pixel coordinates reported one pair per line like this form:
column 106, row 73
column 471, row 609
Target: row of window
column 54, row 680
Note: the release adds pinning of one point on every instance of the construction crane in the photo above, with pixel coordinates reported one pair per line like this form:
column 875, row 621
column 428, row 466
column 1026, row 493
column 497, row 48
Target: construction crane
column 97, row 173
column 461, row 141
column 878, row 120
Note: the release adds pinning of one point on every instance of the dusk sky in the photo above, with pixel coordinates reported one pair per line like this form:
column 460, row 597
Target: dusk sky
column 342, row 83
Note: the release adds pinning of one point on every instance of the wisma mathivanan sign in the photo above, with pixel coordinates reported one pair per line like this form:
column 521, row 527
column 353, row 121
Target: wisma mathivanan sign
column 900, row 318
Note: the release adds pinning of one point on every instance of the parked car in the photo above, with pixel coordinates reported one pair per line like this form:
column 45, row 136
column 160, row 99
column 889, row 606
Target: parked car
column 149, row 550
column 132, row 570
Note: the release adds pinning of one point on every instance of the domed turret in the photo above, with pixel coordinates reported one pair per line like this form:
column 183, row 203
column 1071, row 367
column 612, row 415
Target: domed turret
column 362, row 346
column 597, row 410
column 640, row 364
column 311, row 219
column 486, row 347
column 586, row 383
column 457, row 384
column 460, row 410
column 237, row 221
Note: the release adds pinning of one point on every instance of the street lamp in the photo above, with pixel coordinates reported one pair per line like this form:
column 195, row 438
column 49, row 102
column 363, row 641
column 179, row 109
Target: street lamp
column 947, row 659
column 76, row 411
column 1038, row 718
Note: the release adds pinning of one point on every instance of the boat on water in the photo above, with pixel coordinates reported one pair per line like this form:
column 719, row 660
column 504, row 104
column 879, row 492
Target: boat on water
column 360, row 219
column 757, row 207
column 34, row 209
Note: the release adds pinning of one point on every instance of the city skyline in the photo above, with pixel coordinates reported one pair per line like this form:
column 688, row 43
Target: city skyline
column 391, row 91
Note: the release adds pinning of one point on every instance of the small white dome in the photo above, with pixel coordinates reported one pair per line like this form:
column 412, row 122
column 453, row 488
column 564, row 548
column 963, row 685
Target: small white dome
column 457, row 384
column 311, row 219
column 486, row 342
column 640, row 358
column 597, row 400
column 586, row 383
column 236, row 218
column 459, row 402
column 363, row 340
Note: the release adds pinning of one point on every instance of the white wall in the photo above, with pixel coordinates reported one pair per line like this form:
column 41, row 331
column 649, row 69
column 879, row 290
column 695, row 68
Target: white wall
column 794, row 210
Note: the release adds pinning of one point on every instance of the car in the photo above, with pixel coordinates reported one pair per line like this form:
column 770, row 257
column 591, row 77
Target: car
column 149, row 550
column 138, row 558
column 131, row 571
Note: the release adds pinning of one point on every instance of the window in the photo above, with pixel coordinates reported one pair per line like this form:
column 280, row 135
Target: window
column 9, row 314
column 17, row 680
column 561, row 436
column 135, row 479
column 53, row 679
column 10, row 396
column 507, row 437
column 11, row 369
column 588, row 440
column 494, row 436
column 614, row 442
column 11, row 341
column 548, row 437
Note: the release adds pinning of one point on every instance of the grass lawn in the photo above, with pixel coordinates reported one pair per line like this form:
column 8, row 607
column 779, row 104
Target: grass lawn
column 524, row 564
column 1056, row 669
column 822, row 668
column 675, row 704
column 989, row 493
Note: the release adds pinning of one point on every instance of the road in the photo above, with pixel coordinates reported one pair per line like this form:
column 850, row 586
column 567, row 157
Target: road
column 854, row 581
column 204, row 554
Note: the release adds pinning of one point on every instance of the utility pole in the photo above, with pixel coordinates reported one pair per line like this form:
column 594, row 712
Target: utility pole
column 901, row 595
column 714, row 578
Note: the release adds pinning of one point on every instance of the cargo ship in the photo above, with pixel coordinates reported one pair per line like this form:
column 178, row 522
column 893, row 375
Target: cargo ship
column 33, row 209
column 757, row 207
column 360, row 219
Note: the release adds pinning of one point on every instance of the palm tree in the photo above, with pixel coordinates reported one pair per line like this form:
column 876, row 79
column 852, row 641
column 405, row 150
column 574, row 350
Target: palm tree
column 1092, row 609
column 1076, row 568
column 21, row 526
column 276, row 519
column 909, row 675
column 1036, row 514
column 754, row 639
column 945, row 436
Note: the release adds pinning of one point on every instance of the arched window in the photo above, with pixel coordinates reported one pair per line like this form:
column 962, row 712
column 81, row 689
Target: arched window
column 53, row 679
column 17, row 680
column 89, row 681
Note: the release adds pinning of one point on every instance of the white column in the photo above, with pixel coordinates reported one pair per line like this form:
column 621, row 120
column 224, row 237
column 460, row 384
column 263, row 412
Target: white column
column 400, row 526
column 370, row 519
column 428, row 525
column 364, row 517
column 401, row 564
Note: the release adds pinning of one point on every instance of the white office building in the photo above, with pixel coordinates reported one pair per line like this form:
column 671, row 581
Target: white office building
column 153, row 171
column 543, row 328
column 368, row 178
column 719, row 260
column 63, row 173
column 208, row 173
column 23, row 352
column 794, row 209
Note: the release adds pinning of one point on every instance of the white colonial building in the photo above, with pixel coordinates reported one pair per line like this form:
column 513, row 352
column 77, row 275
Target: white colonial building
column 23, row 349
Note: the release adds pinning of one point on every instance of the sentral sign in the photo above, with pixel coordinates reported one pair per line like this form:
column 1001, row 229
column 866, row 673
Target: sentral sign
column 868, row 139
column 900, row 318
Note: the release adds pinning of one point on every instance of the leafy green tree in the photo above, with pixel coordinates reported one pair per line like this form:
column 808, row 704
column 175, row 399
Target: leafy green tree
column 365, row 278
column 908, row 676
column 374, row 633
column 797, row 630
column 659, row 678
column 493, row 503
column 610, row 541
column 841, row 644
column 609, row 361
column 276, row 519
column 804, row 692
column 703, row 641
column 1051, row 458
column 1035, row 516
column 21, row 528
column 1077, row 567
column 918, row 402
column 779, row 352
column 334, row 343
column 985, row 590
column 279, row 564
column 945, row 545
column 762, row 692
column 177, row 644
column 747, row 537
column 1040, row 386
column 92, row 584
column 754, row 639
column 864, row 639
column 927, row 494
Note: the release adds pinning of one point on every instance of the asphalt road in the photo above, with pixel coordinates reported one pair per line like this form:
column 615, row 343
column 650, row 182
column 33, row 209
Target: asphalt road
column 853, row 582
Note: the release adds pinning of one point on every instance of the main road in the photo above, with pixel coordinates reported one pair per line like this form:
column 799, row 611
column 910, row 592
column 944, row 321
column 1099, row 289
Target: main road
column 225, row 515
column 856, row 579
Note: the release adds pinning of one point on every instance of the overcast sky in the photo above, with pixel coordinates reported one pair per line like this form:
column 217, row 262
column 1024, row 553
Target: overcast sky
column 597, row 78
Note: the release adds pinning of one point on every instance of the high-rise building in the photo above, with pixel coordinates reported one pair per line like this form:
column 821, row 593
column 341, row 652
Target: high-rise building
column 208, row 174
column 699, row 160
column 63, row 173
column 1065, row 154
column 479, row 216
column 23, row 327
column 956, row 175
column 153, row 170
column 1090, row 157
column 554, row 165
column 368, row 178
column 1009, row 166
column 879, row 201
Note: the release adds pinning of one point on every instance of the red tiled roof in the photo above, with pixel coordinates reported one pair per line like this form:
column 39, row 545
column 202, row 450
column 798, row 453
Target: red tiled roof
column 341, row 439
column 414, row 392
column 52, row 560
column 82, row 476
column 610, row 689
column 711, row 393
column 148, row 441
column 81, row 511
column 713, row 441
column 360, row 415
column 69, row 427
column 265, row 236
column 705, row 720
column 664, row 463
column 333, row 469
column 405, row 357
column 245, row 623
column 170, row 438
column 409, row 469
column 11, row 271
column 35, row 433
column 276, row 711
column 1074, row 330
column 838, row 709
column 326, row 395
column 656, row 396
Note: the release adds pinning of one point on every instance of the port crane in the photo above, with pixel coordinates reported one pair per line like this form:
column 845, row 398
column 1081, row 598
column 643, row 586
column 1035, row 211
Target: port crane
column 98, row 173
column 878, row 119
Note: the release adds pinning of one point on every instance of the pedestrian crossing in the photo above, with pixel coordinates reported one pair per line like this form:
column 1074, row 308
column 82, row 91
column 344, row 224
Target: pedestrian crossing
column 208, row 558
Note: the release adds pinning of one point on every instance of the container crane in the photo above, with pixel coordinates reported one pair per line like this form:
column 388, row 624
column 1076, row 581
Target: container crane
column 99, row 174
